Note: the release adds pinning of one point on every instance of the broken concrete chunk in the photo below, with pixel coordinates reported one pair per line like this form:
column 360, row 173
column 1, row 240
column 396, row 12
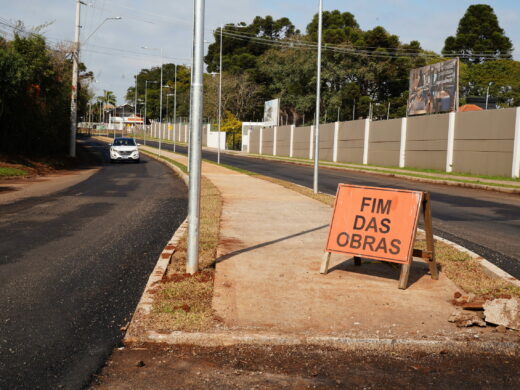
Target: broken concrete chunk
column 464, row 319
column 504, row 312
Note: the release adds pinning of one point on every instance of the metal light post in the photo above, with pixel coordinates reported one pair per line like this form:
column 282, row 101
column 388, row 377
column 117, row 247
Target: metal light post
column 160, row 94
column 318, row 90
column 145, row 101
column 219, row 95
column 175, row 109
column 192, row 265
column 102, row 23
column 487, row 94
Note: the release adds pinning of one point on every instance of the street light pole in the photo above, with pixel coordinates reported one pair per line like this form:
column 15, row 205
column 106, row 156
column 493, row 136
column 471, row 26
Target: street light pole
column 145, row 101
column 74, row 95
column 175, row 109
column 192, row 265
column 487, row 94
column 219, row 95
column 318, row 90
column 160, row 94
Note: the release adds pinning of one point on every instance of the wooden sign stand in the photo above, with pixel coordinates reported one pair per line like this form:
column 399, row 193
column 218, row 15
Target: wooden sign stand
column 428, row 254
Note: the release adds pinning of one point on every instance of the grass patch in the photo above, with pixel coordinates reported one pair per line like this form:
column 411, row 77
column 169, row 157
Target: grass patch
column 183, row 301
column 467, row 273
column 12, row 172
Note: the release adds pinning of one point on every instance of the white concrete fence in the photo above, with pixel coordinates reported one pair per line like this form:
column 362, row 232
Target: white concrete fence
column 477, row 142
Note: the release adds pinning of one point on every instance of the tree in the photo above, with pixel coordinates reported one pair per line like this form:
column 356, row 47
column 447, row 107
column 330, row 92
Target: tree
column 501, row 76
column 239, row 55
column 233, row 128
column 153, row 91
column 479, row 37
column 35, row 94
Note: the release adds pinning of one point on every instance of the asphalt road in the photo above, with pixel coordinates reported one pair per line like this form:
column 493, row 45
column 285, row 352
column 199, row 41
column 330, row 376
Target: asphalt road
column 486, row 222
column 73, row 266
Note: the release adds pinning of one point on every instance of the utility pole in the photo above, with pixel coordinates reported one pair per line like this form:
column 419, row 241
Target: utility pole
column 74, row 95
column 318, row 90
column 192, row 265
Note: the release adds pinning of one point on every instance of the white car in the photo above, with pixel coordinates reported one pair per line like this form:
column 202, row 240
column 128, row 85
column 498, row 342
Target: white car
column 124, row 149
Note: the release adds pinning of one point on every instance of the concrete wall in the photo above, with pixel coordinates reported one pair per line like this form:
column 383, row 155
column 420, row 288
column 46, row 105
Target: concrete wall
column 481, row 142
column 267, row 140
column 427, row 141
column 384, row 142
column 301, row 142
column 254, row 141
column 351, row 136
column 283, row 137
column 326, row 141
column 484, row 142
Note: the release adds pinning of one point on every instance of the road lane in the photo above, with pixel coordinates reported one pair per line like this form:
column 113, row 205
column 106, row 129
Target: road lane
column 486, row 222
column 73, row 266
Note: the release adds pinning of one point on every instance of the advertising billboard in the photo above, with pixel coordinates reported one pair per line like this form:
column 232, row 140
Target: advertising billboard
column 271, row 112
column 434, row 88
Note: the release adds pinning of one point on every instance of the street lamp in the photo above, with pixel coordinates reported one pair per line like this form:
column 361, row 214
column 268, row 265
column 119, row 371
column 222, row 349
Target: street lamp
column 160, row 92
column 487, row 93
column 145, row 101
column 167, row 95
column 102, row 23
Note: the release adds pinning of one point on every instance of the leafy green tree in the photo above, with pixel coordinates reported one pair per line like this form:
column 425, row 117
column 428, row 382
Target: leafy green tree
column 239, row 55
column 153, row 94
column 479, row 37
column 501, row 76
column 35, row 95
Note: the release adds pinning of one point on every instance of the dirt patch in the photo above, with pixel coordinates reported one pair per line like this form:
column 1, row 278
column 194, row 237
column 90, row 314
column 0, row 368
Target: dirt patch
column 306, row 367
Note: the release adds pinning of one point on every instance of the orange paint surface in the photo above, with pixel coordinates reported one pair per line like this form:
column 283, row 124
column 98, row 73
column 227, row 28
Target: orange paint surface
column 376, row 223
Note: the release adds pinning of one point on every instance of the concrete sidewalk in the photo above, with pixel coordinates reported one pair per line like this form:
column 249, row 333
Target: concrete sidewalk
column 267, row 274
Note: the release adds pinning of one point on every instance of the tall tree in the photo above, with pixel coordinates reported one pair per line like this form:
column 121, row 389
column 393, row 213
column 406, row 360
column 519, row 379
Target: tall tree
column 479, row 37
column 239, row 55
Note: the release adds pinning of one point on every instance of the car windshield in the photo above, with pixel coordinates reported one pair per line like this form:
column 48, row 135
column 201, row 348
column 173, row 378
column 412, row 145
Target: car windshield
column 124, row 142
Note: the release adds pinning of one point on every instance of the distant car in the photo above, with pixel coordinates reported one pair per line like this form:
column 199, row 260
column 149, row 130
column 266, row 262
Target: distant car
column 124, row 149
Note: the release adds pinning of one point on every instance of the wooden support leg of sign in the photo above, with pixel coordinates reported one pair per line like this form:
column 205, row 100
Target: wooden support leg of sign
column 357, row 260
column 325, row 263
column 429, row 254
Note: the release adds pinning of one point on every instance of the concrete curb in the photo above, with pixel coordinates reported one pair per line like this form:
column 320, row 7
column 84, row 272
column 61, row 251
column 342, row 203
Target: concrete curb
column 145, row 305
column 223, row 339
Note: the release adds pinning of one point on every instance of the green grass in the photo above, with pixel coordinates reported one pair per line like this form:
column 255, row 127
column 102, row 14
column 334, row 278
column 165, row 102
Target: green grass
column 183, row 302
column 12, row 172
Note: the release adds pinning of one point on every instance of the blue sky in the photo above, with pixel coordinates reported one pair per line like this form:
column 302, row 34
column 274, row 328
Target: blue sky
column 114, row 55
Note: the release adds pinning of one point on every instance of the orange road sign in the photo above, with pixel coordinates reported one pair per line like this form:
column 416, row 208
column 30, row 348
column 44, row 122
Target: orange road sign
column 380, row 223
column 377, row 223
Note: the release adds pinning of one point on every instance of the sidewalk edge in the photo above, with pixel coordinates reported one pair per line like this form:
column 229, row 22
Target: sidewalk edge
column 222, row 339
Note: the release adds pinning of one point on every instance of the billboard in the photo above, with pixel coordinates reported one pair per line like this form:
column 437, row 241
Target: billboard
column 271, row 112
column 434, row 88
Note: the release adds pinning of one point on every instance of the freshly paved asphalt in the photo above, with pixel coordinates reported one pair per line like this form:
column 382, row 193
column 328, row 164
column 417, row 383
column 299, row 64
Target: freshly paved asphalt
column 485, row 222
column 73, row 266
